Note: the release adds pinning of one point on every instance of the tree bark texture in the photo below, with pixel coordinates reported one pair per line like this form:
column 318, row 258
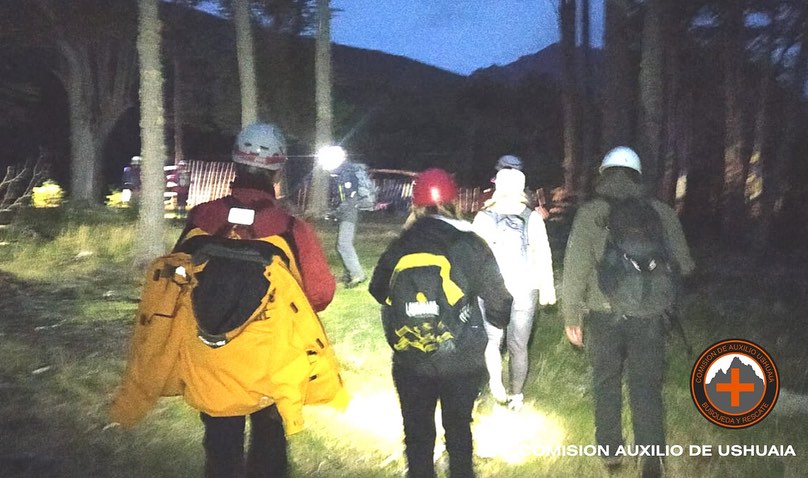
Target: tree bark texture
column 318, row 197
column 176, row 107
column 652, row 92
column 99, row 80
column 732, row 195
column 151, row 228
column 570, row 96
column 245, row 49
column 590, row 117
column 619, row 95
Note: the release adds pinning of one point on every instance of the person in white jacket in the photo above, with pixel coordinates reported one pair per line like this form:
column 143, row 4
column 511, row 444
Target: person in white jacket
column 518, row 237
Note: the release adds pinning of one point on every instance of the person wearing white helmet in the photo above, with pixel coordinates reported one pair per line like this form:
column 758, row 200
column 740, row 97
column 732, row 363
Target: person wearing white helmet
column 615, row 340
column 623, row 157
column 130, row 180
column 251, row 212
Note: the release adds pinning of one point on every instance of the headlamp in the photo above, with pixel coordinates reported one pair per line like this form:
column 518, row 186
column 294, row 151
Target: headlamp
column 330, row 157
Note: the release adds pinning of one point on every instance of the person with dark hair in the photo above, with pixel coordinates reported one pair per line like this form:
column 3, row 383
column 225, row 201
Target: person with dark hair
column 594, row 320
column 251, row 212
column 428, row 282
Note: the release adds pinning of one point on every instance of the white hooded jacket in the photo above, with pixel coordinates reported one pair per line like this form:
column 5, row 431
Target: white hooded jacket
column 520, row 275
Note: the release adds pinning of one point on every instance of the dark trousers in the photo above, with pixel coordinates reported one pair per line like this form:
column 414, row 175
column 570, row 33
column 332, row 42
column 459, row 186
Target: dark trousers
column 224, row 446
column 638, row 345
column 419, row 396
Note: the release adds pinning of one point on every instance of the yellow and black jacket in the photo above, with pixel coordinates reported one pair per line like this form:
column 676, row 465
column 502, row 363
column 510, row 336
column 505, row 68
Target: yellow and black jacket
column 281, row 355
column 472, row 273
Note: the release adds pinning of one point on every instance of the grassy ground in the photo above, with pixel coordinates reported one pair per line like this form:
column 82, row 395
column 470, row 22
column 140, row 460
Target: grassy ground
column 68, row 292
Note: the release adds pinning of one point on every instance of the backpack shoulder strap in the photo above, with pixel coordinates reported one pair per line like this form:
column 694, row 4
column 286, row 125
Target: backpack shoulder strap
column 525, row 215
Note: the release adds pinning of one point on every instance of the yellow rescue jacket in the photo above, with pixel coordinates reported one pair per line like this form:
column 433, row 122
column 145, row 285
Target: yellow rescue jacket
column 281, row 355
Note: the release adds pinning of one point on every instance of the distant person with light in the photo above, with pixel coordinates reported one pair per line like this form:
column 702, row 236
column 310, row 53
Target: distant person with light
column 344, row 172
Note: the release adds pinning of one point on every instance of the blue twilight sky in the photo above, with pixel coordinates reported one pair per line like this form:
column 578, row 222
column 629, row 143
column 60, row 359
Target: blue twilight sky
column 456, row 35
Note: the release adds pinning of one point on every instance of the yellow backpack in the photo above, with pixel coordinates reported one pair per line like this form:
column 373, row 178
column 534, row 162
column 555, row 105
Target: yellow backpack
column 226, row 323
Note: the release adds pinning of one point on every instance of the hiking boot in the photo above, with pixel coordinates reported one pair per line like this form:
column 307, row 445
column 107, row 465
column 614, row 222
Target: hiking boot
column 612, row 464
column 354, row 282
column 498, row 392
column 515, row 402
column 651, row 467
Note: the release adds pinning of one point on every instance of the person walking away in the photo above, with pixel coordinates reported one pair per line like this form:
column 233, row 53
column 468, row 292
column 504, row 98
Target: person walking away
column 507, row 161
column 260, row 370
column 429, row 281
column 130, row 180
column 518, row 237
column 354, row 191
column 183, row 187
column 615, row 295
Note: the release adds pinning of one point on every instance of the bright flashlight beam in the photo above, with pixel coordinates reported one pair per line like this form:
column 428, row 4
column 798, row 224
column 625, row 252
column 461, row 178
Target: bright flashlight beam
column 516, row 437
column 330, row 157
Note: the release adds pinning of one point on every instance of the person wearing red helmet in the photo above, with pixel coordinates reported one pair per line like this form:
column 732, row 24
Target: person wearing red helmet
column 447, row 366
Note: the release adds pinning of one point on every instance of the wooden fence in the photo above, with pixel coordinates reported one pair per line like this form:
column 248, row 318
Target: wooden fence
column 211, row 180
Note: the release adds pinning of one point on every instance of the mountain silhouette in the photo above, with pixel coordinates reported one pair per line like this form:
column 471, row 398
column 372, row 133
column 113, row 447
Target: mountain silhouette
column 746, row 375
column 545, row 62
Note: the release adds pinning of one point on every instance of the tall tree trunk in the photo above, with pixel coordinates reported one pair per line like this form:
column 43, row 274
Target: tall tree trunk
column 318, row 202
column 85, row 151
column 760, row 149
column 651, row 114
column 569, row 89
column 617, row 123
column 97, row 69
column 98, row 93
column 677, row 136
column 246, row 62
column 151, row 228
column 589, row 120
column 176, row 106
column 775, row 173
column 678, row 105
column 732, row 194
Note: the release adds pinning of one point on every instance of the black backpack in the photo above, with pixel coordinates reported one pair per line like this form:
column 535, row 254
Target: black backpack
column 637, row 273
column 431, row 323
column 233, row 276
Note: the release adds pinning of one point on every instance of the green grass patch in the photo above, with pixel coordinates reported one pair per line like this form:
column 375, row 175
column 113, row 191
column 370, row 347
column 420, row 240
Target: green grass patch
column 68, row 317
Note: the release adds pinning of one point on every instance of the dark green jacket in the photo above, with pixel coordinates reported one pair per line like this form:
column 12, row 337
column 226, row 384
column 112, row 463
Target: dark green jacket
column 580, row 292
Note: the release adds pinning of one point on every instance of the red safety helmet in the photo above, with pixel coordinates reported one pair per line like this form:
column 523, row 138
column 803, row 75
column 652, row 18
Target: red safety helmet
column 433, row 187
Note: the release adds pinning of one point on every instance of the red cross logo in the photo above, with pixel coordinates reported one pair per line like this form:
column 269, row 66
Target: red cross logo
column 735, row 387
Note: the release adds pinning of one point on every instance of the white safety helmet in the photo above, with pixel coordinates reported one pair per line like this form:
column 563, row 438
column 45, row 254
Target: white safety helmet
column 260, row 145
column 621, row 156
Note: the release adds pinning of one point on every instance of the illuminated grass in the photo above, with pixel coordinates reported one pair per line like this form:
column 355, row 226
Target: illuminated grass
column 64, row 338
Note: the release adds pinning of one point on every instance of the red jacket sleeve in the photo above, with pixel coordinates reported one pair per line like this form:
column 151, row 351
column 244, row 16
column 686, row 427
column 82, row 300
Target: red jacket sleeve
column 318, row 281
